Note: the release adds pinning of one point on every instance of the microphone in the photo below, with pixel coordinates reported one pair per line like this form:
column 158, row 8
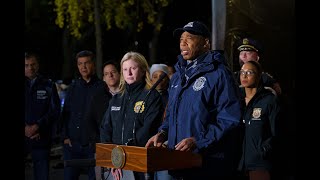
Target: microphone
column 80, row 163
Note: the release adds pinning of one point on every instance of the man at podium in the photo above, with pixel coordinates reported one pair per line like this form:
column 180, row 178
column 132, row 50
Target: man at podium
column 203, row 113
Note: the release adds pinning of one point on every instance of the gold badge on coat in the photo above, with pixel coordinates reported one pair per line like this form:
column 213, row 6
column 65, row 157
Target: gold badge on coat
column 256, row 113
column 139, row 107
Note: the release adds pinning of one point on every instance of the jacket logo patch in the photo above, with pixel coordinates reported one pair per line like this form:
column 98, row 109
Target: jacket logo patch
column 256, row 113
column 199, row 84
column 139, row 107
column 42, row 94
column 115, row 108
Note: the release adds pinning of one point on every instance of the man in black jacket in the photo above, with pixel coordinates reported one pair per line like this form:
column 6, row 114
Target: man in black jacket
column 79, row 138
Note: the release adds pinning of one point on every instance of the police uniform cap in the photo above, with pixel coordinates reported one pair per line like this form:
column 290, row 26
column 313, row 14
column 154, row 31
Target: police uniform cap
column 249, row 44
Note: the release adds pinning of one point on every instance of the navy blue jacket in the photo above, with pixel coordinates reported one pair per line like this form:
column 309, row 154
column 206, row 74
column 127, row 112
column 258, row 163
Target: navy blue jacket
column 42, row 107
column 204, row 103
column 76, row 109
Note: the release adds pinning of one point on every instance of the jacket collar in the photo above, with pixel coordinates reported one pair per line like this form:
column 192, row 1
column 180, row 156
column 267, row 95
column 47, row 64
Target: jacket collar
column 135, row 87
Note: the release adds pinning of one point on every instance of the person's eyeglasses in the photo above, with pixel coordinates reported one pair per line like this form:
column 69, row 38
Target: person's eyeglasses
column 248, row 73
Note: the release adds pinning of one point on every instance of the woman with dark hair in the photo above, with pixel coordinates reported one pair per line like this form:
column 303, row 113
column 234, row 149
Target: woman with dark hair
column 260, row 115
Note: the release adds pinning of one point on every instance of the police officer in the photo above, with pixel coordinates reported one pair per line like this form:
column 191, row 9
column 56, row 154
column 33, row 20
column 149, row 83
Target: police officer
column 251, row 50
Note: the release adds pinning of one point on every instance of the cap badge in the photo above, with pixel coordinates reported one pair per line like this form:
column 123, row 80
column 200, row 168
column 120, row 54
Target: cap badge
column 245, row 41
column 190, row 24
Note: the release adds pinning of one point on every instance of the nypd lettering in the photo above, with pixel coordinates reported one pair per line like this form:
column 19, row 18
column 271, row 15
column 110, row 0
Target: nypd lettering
column 42, row 94
column 115, row 108
column 199, row 84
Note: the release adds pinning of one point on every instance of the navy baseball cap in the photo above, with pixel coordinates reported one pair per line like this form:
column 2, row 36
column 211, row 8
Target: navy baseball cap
column 195, row 27
column 249, row 44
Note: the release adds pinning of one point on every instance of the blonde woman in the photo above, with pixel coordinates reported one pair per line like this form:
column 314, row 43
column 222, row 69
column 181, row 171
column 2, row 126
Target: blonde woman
column 134, row 114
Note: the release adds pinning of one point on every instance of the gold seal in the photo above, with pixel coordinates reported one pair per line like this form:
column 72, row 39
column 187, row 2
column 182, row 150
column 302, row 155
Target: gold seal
column 118, row 157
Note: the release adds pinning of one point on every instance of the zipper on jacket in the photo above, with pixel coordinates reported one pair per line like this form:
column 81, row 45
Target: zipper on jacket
column 125, row 116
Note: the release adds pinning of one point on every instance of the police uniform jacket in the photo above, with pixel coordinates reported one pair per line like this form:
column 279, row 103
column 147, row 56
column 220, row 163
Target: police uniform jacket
column 76, row 108
column 42, row 107
column 132, row 115
column 260, row 117
column 204, row 103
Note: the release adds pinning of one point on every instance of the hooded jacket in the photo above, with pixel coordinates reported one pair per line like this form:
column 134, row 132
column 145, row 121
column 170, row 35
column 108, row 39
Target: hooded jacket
column 204, row 103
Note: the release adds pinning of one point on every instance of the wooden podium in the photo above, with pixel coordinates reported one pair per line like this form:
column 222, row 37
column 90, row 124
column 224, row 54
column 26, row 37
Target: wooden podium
column 143, row 159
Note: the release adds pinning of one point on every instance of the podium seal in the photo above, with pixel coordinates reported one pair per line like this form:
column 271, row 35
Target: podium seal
column 118, row 157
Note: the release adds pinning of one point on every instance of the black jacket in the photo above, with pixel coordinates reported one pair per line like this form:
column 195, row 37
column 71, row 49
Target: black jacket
column 260, row 116
column 122, row 115
column 98, row 106
column 76, row 107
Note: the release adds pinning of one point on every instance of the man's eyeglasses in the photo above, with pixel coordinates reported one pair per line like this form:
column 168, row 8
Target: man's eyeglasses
column 248, row 73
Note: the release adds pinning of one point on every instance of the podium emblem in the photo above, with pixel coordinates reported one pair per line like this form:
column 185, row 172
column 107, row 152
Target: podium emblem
column 118, row 157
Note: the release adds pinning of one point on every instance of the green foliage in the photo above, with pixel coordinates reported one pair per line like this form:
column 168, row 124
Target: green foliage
column 131, row 14
column 73, row 13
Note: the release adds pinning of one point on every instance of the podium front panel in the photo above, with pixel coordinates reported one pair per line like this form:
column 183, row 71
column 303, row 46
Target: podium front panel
column 143, row 159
